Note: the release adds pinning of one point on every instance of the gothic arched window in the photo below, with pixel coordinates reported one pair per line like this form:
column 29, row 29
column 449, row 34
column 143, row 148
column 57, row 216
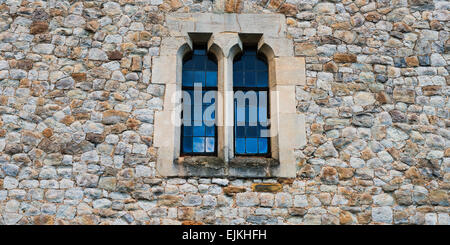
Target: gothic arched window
column 199, row 85
column 251, row 115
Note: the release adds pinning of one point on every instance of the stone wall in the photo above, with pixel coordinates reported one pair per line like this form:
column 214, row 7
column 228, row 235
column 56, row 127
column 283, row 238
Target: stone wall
column 77, row 105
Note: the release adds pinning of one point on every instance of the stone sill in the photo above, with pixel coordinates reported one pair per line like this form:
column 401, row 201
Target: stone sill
column 240, row 167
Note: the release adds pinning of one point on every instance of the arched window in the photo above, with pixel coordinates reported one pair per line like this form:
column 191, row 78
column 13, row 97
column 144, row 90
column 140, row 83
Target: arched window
column 199, row 85
column 251, row 115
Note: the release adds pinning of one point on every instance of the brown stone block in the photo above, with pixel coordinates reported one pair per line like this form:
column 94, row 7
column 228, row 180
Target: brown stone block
column 95, row 138
column 133, row 124
column 38, row 27
column 48, row 132
column 345, row 173
column 267, row 187
column 136, row 64
column 113, row 117
column 382, row 97
column 412, row 61
column 92, row 25
column 24, row 64
column 288, row 9
column 79, row 77
column 114, row 55
column 330, row 67
column 406, row 95
column 229, row 190
column 192, row 222
column 44, row 220
column 344, row 58
column 431, row 90
column 373, row 16
column 307, row 49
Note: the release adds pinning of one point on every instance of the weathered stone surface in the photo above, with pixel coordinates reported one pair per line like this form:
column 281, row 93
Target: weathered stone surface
column 82, row 84
column 404, row 95
column 266, row 187
column 38, row 27
column 344, row 58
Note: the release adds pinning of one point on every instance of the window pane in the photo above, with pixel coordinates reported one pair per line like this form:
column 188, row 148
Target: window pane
column 199, row 77
column 251, row 71
column 250, row 79
column 251, row 145
column 210, row 144
column 187, row 130
column 199, row 144
column 198, row 69
column 188, row 78
column 187, row 144
column 199, row 130
column 261, row 65
column 211, row 65
column 252, row 131
column 240, row 145
column 211, row 78
column 237, row 65
column 240, row 131
column 262, row 79
column 210, row 131
column 262, row 145
column 238, row 80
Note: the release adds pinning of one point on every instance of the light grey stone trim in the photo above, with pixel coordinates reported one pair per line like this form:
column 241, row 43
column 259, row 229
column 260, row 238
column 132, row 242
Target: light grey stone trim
column 285, row 72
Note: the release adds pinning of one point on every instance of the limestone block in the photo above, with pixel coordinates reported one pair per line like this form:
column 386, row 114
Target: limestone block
column 171, row 45
column 164, row 69
column 291, row 131
column 290, row 71
column 277, row 46
column 285, row 98
column 164, row 129
column 225, row 41
column 171, row 98
column 273, row 25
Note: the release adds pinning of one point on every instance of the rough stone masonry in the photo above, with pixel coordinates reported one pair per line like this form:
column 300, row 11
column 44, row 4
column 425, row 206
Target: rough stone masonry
column 77, row 105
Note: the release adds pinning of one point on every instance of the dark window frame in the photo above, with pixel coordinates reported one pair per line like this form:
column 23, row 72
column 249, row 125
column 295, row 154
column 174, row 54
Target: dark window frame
column 204, row 88
column 256, row 89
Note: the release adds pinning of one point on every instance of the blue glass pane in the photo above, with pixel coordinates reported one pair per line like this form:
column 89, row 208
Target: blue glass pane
column 238, row 79
column 189, row 64
column 252, row 131
column 211, row 78
column 261, row 65
column 250, row 79
column 211, row 65
column 199, row 77
column 240, row 132
column 210, row 131
column 199, row 130
column 210, row 144
column 263, row 145
column 199, row 51
column 249, row 62
column 240, row 114
column 262, row 79
column 240, row 145
column 238, row 65
column 187, row 144
column 188, row 78
column 199, row 62
column 251, row 145
column 199, row 144
column 187, row 130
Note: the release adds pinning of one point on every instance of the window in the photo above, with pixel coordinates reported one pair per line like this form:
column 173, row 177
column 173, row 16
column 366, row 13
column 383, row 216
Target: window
column 251, row 115
column 199, row 85
column 241, row 149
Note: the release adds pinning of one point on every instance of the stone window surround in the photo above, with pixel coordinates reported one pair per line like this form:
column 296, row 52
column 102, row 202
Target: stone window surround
column 225, row 42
